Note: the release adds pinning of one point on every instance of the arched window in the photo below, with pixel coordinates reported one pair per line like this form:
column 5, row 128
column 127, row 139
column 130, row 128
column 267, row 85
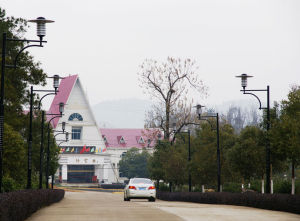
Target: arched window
column 75, row 116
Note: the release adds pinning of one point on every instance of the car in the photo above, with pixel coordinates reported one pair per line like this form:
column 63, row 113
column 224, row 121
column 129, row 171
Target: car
column 140, row 188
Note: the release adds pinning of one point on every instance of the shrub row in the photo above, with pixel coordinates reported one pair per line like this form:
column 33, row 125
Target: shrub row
column 18, row 205
column 280, row 202
column 113, row 186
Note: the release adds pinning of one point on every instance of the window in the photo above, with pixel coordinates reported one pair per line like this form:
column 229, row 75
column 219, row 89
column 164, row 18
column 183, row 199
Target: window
column 76, row 133
column 141, row 140
column 75, row 116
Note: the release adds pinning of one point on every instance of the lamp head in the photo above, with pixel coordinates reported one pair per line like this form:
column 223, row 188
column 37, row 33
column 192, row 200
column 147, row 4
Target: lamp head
column 41, row 26
column 67, row 136
column 63, row 126
column 55, row 81
column 244, row 80
column 61, row 107
column 199, row 110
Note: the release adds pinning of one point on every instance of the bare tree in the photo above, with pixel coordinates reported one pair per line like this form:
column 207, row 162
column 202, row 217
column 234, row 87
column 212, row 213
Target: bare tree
column 168, row 84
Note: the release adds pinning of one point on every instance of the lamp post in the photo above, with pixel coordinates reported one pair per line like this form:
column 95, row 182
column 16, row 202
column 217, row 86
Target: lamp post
column 61, row 110
column 244, row 78
column 199, row 112
column 41, row 32
column 29, row 153
column 55, row 85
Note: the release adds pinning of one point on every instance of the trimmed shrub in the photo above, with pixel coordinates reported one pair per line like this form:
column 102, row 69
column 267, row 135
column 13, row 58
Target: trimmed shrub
column 19, row 205
column 280, row 202
column 113, row 186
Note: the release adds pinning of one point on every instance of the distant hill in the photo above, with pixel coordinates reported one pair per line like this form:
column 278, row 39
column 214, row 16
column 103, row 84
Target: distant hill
column 124, row 113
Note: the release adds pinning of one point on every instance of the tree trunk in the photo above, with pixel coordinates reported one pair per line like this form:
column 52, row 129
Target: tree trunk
column 293, row 178
column 262, row 186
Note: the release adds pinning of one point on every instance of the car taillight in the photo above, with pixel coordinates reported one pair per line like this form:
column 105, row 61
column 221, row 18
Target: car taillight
column 151, row 188
column 132, row 187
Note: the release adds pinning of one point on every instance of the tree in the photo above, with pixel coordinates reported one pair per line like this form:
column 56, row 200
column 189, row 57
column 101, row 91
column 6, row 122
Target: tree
column 285, row 133
column 17, row 82
column 134, row 164
column 28, row 72
column 247, row 157
column 168, row 83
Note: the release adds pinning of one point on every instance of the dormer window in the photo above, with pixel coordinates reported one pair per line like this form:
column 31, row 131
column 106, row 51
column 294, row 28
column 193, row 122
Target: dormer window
column 141, row 140
column 121, row 140
column 104, row 138
column 75, row 117
column 149, row 142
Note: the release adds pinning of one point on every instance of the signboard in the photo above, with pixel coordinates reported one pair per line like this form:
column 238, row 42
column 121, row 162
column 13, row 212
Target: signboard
column 78, row 150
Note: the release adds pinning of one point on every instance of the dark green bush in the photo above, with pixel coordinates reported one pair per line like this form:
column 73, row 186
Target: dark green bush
column 113, row 186
column 280, row 202
column 232, row 187
column 18, row 205
column 282, row 186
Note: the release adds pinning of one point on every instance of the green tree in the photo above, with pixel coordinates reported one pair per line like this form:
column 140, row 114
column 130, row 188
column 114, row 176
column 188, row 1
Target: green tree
column 247, row 157
column 285, row 134
column 134, row 163
column 14, row 159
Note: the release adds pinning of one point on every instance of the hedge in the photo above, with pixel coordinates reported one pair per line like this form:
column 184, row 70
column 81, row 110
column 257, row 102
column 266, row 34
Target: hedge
column 19, row 205
column 113, row 186
column 279, row 202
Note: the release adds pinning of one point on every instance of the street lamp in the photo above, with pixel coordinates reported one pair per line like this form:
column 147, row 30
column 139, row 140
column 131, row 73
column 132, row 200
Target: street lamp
column 29, row 153
column 244, row 78
column 41, row 32
column 55, row 85
column 61, row 110
column 199, row 113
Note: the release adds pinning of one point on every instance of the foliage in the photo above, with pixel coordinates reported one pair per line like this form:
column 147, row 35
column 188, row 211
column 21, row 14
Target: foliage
column 134, row 163
column 17, row 84
column 247, row 157
column 18, row 205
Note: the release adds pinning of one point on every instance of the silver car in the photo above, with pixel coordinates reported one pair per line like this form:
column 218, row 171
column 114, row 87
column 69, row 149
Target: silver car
column 140, row 188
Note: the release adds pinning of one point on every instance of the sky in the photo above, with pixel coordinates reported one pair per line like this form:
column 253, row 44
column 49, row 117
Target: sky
column 105, row 41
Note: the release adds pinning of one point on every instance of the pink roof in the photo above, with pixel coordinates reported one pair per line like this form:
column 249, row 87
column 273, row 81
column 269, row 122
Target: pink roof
column 131, row 137
column 65, row 88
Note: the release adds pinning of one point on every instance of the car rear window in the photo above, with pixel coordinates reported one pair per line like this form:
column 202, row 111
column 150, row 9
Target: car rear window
column 140, row 180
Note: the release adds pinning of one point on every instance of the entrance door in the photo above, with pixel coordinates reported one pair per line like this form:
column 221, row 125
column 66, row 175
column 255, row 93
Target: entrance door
column 80, row 173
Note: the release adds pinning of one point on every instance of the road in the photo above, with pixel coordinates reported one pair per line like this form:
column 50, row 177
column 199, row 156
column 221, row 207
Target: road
column 92, row 206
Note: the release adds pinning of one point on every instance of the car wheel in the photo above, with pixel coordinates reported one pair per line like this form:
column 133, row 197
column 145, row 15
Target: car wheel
column 151, row 199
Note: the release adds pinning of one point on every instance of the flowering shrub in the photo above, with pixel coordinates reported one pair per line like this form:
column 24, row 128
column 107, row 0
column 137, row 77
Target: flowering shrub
column 280, row 202
column 18, row 205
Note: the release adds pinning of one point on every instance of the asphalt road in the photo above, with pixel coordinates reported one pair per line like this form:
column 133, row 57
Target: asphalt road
column 92, row 206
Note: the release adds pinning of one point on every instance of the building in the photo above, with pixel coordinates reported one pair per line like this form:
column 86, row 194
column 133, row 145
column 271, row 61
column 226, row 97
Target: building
column 91, row 154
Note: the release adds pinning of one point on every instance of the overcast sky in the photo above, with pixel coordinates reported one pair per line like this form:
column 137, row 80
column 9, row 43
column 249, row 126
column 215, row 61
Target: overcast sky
column 104, row 42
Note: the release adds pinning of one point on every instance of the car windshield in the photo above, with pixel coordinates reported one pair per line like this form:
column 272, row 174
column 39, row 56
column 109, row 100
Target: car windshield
column 141, row 180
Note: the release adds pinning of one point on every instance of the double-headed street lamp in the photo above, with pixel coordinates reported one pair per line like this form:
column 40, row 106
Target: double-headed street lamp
column 244, row 78
column 206, row 117
column 41, row 32
column 29, row 153
column 61, row 110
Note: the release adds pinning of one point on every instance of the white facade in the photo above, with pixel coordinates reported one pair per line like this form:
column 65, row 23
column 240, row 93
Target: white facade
column 80, row 166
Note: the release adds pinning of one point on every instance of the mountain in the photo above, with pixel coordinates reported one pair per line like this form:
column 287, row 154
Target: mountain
column 123, row 113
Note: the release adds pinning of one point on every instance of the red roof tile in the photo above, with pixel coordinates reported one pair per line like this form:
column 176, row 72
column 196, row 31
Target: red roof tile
column 65, row 87
column 130, row 136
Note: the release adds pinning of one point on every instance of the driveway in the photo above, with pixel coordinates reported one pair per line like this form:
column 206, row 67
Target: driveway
column 92, row 206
